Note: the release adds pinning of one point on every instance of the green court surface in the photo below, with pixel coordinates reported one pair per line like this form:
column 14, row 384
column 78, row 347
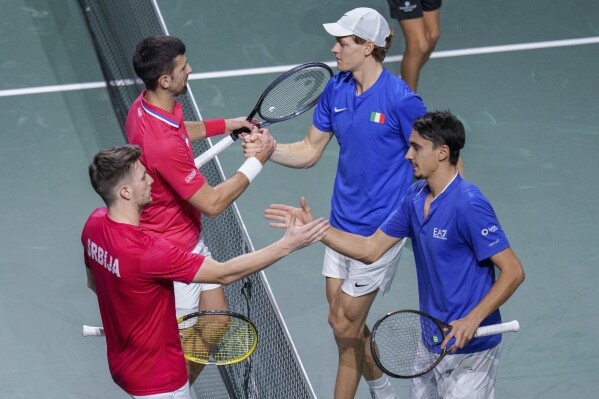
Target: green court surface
column 532, row 125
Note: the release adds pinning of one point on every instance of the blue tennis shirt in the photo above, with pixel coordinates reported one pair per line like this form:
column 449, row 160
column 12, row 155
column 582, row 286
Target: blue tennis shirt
column 373, row 131
column 452, row 247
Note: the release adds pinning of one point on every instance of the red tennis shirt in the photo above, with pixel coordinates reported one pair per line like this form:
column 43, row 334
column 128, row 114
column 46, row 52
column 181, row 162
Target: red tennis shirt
column 168, row 158
column 133, row 273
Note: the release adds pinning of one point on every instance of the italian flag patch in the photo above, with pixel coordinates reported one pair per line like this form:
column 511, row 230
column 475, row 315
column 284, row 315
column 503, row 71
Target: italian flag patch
column 377, row 117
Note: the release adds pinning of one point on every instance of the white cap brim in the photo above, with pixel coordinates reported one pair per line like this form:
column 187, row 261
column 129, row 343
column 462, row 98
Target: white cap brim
column 337, row 30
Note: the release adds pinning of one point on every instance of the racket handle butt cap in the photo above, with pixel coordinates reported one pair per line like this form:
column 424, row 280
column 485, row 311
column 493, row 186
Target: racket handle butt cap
column 89, row 331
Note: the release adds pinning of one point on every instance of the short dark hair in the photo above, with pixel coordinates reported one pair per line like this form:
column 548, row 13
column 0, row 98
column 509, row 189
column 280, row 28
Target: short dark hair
column 155, row 56
column 378, row 53
column 442, row 128
column 109, row 167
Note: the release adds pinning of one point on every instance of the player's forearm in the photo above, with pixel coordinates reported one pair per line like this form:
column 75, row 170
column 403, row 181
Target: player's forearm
column 508, row 281
column 202, row 129
column 365, row 249
column 195, row 130
column 91, row 283
column 295, row 155
column 351, row 245
column 92, row 287
column 226, row 193
column 244, row 265
column 212, row 201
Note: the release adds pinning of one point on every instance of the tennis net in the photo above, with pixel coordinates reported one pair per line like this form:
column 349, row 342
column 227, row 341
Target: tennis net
column 274, row 370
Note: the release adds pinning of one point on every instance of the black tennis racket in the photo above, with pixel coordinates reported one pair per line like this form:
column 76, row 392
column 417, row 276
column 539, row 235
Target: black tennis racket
column 407, row 343
column 290, row 95
column 215, row 337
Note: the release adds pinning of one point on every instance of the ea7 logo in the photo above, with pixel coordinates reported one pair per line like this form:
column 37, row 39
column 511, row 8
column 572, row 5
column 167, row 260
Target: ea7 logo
column 440, row 233
column 491, row 229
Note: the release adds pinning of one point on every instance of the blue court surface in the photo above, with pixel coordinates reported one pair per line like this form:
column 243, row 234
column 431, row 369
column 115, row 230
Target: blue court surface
column 522, row 76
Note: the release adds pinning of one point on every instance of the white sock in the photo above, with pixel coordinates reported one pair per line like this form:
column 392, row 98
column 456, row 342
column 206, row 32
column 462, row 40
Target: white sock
column 381, row 388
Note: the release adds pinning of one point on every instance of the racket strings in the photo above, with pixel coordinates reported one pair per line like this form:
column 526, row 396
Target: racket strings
column 408, row 344
column 216, row 339
column 294, row 94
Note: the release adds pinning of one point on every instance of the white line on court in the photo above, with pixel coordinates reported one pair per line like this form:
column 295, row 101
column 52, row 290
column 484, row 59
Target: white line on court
column 51, row 89
column 283, row 68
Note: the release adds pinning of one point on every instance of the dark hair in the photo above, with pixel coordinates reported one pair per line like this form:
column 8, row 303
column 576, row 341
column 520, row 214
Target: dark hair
column 378, row 53
column 155, row 56
column 109, row 167
column 442, row 128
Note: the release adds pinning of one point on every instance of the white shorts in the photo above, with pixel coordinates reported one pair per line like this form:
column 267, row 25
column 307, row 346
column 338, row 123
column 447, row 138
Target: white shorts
column 181, row 393
column 470, row 375
column 187, row 296
column 360, row 278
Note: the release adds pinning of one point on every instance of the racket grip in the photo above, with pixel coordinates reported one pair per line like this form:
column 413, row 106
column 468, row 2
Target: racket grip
column 214, row 151
column 512, row 326
column 237, row 132
column 89, row 331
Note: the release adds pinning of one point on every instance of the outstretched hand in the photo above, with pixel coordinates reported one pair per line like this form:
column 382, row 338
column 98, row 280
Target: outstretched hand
column 281, row 214
column 301, row 235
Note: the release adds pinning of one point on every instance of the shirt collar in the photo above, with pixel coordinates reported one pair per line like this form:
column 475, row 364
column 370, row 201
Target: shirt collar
column 456, row 179
column 173, row 120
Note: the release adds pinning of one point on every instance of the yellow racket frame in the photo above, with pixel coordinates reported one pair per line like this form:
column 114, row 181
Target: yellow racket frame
column 217, row 337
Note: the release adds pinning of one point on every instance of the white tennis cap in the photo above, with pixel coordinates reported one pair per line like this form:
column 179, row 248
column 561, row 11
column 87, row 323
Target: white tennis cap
column 363, row 22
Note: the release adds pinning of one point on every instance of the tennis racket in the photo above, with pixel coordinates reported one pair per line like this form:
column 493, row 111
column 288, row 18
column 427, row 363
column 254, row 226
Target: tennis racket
column 407, row 343
column 290, row 95
column 215, row 337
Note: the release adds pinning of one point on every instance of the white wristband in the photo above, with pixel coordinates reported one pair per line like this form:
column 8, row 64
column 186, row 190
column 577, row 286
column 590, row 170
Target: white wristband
column 250, row 168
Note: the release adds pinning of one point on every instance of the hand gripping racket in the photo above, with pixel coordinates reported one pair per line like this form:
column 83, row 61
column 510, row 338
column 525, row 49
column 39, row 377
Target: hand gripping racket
column 290, row 95
column 215, row 337
column 407, row 343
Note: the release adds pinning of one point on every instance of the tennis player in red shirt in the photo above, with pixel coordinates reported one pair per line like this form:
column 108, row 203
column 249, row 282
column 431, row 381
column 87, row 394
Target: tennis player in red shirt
column 132, row 274
column 180, row 193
